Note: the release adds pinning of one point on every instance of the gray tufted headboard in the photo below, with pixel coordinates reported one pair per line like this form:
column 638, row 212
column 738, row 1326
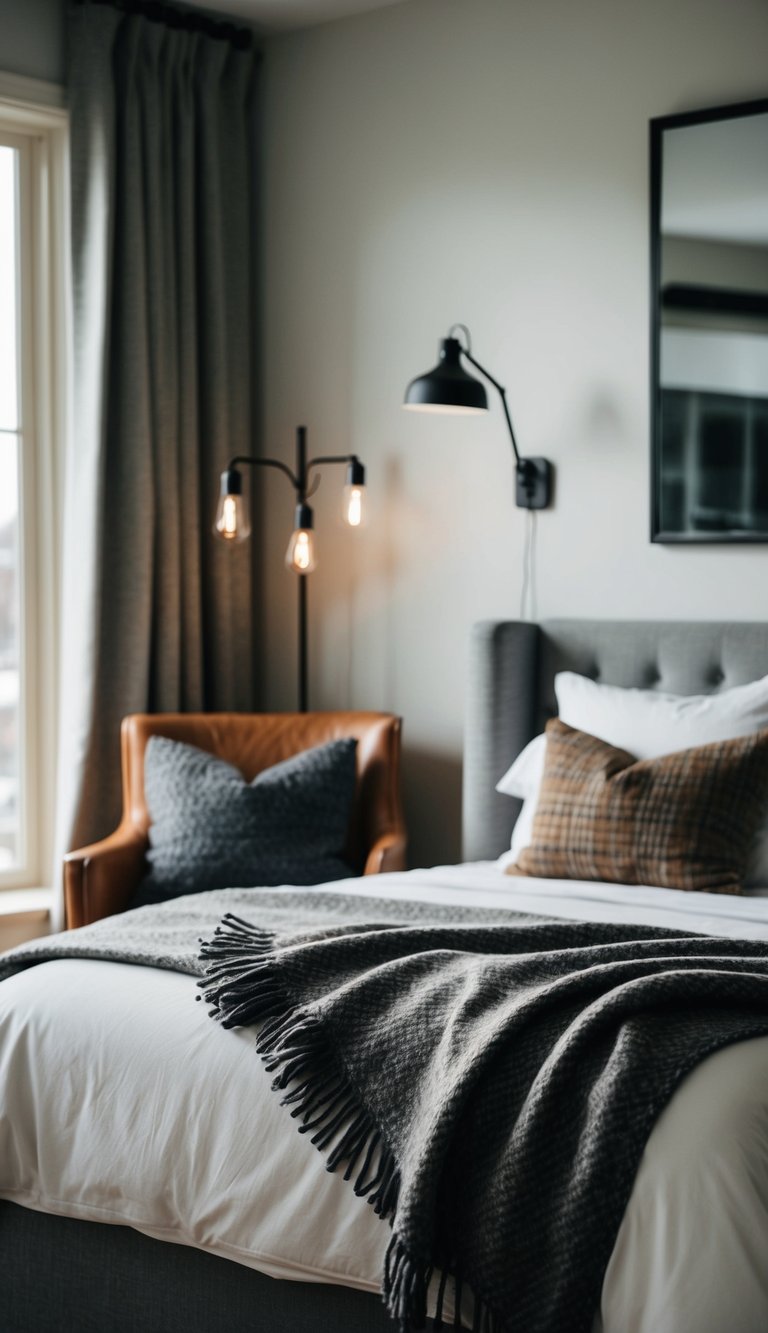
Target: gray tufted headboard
column 511, row 690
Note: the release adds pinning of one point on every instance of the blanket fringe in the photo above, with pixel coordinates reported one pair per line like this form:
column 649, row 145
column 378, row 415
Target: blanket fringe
column 405, row 1289
column 241, row 987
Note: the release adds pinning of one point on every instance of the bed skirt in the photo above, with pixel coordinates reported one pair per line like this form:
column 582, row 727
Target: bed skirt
column 63, row 1275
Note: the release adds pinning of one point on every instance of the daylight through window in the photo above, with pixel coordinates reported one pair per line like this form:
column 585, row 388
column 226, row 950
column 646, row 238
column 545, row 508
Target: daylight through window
column 12, row 850
column 33, row 342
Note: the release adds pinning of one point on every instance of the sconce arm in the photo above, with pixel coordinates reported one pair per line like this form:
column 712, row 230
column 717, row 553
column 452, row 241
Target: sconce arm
column 519, row 462
column 534, row 475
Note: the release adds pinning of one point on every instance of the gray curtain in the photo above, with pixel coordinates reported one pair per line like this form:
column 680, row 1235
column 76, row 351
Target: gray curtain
column 157, row 615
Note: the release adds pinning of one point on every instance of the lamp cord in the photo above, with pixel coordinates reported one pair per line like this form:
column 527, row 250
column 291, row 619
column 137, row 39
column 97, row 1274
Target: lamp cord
column 466, row 333
column 528, row 592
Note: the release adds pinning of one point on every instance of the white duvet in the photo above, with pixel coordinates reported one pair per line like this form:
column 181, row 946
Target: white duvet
column 121, row 1101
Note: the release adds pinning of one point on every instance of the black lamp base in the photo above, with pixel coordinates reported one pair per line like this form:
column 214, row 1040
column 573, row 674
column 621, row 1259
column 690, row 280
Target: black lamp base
column 533, row 483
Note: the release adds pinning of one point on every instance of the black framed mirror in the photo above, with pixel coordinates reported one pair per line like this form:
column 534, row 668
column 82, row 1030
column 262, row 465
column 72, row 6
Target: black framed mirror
column 709, row 325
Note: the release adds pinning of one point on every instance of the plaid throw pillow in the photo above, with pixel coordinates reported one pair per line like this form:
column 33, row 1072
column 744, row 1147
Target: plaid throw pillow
column 684, row 821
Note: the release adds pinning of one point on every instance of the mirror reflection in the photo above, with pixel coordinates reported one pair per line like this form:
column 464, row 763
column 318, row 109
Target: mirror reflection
column 710, row 335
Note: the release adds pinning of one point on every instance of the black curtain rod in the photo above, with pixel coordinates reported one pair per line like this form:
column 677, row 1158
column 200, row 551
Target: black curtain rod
column 188, row 20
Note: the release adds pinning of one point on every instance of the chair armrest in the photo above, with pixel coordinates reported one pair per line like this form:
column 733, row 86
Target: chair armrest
column 101, row 879
column 387, row 853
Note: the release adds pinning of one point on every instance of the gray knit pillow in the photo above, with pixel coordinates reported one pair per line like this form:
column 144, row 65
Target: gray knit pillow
column 211, row 829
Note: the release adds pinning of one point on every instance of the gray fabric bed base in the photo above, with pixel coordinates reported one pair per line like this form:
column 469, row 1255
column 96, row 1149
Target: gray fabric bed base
column 510, row 693
column 63, row 1275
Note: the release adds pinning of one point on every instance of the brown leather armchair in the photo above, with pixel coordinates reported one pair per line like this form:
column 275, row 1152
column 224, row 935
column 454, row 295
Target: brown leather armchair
column 101, row 879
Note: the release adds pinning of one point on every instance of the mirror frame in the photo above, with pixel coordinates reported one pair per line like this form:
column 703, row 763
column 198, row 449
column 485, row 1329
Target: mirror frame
column 658, row 125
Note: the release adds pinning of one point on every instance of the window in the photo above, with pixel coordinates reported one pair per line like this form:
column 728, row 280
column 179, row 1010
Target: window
column 12, row 850
column 32, row 415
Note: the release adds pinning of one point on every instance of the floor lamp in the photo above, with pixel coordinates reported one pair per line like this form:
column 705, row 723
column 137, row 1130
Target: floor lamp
column 232, row 522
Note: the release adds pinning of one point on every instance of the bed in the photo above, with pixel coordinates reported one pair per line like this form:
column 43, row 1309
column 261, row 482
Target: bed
column 95, row 1233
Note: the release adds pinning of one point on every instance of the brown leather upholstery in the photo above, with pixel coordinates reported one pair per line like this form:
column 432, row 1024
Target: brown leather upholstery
column 101, row 879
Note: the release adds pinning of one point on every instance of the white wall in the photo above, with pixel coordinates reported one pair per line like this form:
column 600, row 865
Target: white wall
column 482, row 161
column 32, row 38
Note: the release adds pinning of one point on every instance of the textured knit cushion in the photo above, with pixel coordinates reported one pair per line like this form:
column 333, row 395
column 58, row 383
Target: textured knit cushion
column 683, row 821
column 211, row 829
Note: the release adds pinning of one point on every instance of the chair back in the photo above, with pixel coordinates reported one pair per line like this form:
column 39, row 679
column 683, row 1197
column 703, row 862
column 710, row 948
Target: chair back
column 255, row 741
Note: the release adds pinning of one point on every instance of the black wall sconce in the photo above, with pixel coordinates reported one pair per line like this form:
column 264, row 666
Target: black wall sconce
column 233, row 524
column 449, row 388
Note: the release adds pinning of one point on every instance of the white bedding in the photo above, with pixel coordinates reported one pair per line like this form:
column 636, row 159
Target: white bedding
column 121, row 1101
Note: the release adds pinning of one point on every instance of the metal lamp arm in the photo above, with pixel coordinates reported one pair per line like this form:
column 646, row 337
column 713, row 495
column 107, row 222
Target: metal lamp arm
column 299, row 483
column 503, row 395
column 266, row 462
column 331, row 458
column 349, row 459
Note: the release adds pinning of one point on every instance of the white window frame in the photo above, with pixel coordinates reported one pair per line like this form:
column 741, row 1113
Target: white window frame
column 33, row 120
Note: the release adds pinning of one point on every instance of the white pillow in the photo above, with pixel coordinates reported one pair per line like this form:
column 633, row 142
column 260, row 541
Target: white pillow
column 647, row 724
column 523, row 780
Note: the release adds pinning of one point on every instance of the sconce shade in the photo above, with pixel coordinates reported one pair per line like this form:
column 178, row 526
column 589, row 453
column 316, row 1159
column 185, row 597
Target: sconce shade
column 447, row 388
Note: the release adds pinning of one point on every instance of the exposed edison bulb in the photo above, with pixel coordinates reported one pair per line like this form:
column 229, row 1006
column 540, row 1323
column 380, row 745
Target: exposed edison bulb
column 353, row 498
column 353, row 506
column 232, row 523
column 300, row 556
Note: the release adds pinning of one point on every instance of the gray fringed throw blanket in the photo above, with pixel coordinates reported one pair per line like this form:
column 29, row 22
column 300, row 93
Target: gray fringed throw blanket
column 489, row 1090
column 487, row 1081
